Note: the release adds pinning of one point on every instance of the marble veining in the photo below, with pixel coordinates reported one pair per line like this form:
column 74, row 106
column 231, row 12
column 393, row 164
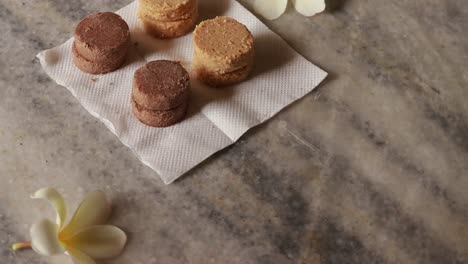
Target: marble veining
column 370, row 168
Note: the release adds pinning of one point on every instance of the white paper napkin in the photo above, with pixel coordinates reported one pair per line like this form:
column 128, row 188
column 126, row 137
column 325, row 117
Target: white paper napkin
column 216, row 118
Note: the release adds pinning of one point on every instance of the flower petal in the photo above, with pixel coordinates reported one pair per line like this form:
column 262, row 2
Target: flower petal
column 79, row 257
column 99, row 242
column 44, row 238
column 309, row 7
column 57, row 201
column 270, row 9
column 93, row 210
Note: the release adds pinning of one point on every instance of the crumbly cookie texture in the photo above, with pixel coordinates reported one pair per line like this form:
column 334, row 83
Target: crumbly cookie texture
column 168, row 29
column 168, row 10
column 102, row 35
column 223, row 51
column 215, row 79
column 92, row 67
column 159, row 118
column 168, row 18
column 161, row 85
column 160, row 93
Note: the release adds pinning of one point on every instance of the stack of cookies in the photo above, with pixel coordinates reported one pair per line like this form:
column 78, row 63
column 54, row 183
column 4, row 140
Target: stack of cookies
column 168, row 18
column 101, row 43
column 160, row 93
column 223, row 52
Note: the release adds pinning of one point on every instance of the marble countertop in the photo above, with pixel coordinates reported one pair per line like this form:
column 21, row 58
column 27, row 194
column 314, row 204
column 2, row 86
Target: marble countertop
column 370, row 168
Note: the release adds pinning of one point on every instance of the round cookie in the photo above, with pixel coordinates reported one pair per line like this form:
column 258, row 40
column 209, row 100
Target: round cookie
column 223, row 44
column 102, row 36
column 168, row 10
column 92, row 67
column 168, row 29
column 161, row 85
column 159, row 118
column 215, row 79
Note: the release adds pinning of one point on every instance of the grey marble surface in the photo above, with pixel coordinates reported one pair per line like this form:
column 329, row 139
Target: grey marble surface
column 370, row 168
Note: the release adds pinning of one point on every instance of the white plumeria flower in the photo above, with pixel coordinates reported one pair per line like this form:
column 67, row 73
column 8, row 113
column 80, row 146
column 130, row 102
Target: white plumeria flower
column 272, row 9
column 85, row 238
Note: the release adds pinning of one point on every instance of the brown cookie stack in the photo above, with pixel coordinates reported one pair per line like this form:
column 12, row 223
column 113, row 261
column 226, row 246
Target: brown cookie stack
column 168, row 18
column 223, row 52
column 160, row 93
column 101, row 43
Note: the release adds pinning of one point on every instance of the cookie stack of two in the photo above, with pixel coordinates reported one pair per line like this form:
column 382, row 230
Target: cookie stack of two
column 101, row 43
column 223, row 52
column 160, row 93
column 168, row 18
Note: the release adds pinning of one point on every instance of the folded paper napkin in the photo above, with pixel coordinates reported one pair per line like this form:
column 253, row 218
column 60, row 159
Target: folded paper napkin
column 216, row 118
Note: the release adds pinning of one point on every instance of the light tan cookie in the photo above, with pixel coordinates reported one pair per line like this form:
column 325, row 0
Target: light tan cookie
column 216, row 79
column 223, row 45
column 168, row 10
column 168, row 29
